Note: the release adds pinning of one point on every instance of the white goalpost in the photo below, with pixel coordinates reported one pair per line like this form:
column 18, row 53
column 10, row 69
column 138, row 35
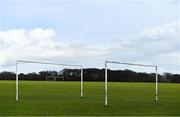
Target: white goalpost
column 47, row 63
column 115, row 62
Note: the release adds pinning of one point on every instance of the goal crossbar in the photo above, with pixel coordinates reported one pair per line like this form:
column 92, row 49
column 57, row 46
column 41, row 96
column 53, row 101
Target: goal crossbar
column 130, row 64
column 46, row 63
column 116, row 62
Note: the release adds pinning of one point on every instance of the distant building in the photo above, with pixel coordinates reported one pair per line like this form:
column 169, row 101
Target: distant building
column 55, row 76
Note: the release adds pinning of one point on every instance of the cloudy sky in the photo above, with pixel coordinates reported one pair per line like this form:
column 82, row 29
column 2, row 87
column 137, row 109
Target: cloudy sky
column 88, row 32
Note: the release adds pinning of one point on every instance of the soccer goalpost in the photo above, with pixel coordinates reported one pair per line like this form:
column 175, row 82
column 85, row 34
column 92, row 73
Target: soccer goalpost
column 130, row 64
column 47, row 63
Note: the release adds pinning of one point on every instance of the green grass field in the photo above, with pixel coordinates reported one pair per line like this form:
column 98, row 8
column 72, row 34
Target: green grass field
column 63, row 98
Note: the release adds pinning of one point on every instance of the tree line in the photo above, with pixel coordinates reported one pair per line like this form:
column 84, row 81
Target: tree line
column 91, row 74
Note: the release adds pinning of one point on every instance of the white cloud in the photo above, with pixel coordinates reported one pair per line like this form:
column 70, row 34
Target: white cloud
column 40, row 44
column 161, row 39
column 159, row 46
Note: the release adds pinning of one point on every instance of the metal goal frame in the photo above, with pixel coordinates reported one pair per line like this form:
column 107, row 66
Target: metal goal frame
column 116, row 62
column 46, row 63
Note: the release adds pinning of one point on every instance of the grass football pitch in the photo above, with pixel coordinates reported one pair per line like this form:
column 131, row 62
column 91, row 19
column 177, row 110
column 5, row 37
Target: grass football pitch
column 63, row 98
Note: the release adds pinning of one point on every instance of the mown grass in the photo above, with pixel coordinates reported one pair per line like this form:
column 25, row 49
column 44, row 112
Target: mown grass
column 63, row 98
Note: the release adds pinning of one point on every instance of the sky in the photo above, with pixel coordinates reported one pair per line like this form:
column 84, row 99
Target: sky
column 88, row 32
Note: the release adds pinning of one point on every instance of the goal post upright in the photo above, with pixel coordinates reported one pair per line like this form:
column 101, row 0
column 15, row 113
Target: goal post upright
column 47, row 63
column 115, row 62
column 17, row 94
column 156, row 85
column 81, row 82
column 106, row 95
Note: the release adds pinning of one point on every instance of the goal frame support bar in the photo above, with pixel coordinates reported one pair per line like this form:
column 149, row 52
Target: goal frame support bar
column 115, row 62
column 46, row 63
